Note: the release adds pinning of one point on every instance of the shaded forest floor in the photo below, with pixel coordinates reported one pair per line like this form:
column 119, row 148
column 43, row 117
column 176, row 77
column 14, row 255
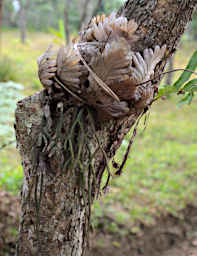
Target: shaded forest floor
column 169, row 236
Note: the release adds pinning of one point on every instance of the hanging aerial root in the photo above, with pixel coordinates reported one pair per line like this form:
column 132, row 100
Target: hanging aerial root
column 131, row 140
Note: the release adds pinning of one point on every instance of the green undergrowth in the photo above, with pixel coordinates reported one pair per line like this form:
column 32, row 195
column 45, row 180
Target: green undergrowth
column 11, row 172
column 25, row 56
column 160, row 176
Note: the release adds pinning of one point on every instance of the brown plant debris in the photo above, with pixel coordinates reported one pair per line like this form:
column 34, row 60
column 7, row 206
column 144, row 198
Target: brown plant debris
column 102, row 70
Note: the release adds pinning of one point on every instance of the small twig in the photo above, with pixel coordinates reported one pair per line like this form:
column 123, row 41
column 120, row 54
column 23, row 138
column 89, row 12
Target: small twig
column 101, row 148
column 179, row 69
column 167, row 72
column 119, row 171
column 97, row 79
column 69, row 91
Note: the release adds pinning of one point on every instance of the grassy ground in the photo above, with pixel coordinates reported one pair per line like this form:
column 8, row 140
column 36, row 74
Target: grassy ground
column 24, row 57
column 161, row 173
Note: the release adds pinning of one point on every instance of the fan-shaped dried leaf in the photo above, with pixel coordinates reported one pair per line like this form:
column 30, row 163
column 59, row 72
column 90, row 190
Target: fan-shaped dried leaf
column 131, row 27
column 113, row 64
column 122, row 27
column 47, row 68
column 152, row 59
column 69, row 69
column 97, row 79
column 104, row 28
column 46, row 56
column 99, row 32
column 144, row 67
column 115, row 109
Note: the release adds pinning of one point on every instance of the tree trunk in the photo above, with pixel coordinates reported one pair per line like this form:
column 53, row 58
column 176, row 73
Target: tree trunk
column 1, row 18
column 66, row 21
column 1, row 11
column 57, row 196
column 22, row 21
column 54, row 4
column 84, row 14
column 99, row 8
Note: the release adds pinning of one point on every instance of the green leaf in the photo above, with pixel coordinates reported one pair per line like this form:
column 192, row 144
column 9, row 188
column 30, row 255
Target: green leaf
column 58, row 33
column 186, row 100
column 58, row 41
column 55, row 33
column 61, row 29
column 191, row 86
column 165, row 90
column 192, row 65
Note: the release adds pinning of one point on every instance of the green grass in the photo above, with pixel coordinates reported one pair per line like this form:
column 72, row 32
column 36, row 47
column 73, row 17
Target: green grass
column 160, row 176
column 11, row 172
column 25, row 56
column 161, row 173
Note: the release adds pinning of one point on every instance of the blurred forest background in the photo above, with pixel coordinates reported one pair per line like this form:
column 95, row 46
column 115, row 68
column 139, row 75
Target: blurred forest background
column 161, row 174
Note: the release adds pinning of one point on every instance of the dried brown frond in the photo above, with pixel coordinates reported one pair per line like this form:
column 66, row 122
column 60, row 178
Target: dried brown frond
column 114, row 109
column 47, row 68
column 102, row 28
column 144, row 66
column 97, row 79
column 113, row 63
column 46, row 56
column 122, row 27
column 69, row 69
column 153, row 58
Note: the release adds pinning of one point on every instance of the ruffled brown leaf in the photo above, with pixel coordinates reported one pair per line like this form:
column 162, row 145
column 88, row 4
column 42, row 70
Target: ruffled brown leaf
column 122, row 27
column 104, row 28
column 69, row 69
column 116, row 109
column 113, row 64
column 143, row 66
column 47, row 68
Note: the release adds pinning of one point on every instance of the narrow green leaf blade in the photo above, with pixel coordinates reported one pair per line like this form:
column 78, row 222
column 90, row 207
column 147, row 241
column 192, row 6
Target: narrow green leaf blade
column 165, row 90
column 192, row 65
column 55, row 33
column 186, row 100
column 61, row 29
column 191, row 86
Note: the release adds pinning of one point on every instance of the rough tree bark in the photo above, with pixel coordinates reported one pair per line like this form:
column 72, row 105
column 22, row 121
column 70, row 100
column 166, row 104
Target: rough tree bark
column 55, row 212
